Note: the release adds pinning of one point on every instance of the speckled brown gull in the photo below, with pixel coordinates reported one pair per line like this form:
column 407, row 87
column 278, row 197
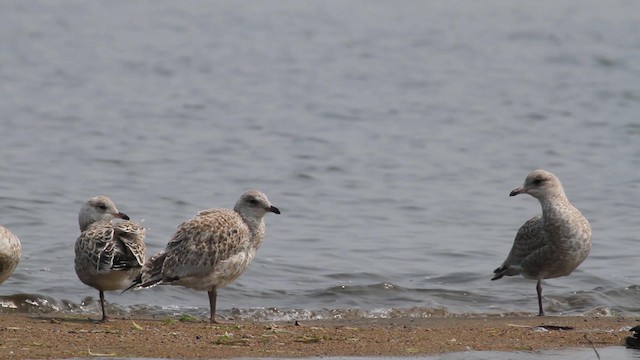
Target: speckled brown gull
column 212, row 249
column 108, row 255
column 552, row 245
column 9, row 253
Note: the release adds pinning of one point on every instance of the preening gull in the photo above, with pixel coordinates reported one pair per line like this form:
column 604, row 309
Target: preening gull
column 552, row 245
column 9, row 253
column 108, row 255
column 212, row 249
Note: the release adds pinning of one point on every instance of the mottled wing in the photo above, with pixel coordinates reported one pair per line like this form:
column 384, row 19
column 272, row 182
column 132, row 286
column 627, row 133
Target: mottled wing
column 129, row 248
column 529, row 239
column 105, row 246
column 203, row 241
column 11, row 244
column 10, row 251
column 95, row 248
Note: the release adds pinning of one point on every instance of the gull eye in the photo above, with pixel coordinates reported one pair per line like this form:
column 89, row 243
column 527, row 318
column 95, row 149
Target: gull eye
column 254, row 202
column 102, row 206
column 537, row 181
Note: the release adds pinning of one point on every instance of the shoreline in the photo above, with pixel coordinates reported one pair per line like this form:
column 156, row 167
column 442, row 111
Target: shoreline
column 28, row 336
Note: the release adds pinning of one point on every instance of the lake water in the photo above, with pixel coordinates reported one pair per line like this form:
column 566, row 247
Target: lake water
column 618, row 352
column 389, row 134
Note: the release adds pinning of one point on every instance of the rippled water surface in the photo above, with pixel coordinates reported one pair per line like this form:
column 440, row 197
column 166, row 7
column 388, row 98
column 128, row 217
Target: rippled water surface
column 618, row 352
column 389, row 134
column 567, row 354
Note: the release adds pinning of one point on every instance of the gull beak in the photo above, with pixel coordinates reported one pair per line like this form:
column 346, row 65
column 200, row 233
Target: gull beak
column 274, row 210
column 517, row 191
column 122, row 216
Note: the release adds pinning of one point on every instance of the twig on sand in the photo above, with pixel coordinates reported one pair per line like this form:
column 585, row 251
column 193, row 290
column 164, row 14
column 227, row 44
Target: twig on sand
column 593, row 346
column 100, row 355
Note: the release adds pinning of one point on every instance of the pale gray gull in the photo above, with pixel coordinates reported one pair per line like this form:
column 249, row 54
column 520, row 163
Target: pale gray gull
column 109, row 255
column 212, row 249
column 551, row 245
column 9, row 253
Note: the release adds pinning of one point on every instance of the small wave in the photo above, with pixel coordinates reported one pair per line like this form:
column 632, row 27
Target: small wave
column 29, row 303
column 350, row 303
column 273, row 314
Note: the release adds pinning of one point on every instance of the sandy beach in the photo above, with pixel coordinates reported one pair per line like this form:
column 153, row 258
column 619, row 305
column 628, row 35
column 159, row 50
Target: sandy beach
column 41, row 337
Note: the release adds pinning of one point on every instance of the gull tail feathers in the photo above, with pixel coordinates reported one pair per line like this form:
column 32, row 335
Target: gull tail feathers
column 505, row 270
column 151, row 274
column 499, row 273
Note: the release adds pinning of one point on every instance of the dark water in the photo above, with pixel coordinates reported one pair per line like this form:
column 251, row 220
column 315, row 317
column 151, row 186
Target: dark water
column 388, row 133
column 618, row 352
column 567, row 354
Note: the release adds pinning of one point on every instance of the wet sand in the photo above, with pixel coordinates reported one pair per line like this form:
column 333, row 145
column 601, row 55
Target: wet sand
column 40, row 337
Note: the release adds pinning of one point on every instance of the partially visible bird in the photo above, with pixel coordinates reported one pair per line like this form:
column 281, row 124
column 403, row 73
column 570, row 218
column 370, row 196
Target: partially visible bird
column 10, row 251
column 633, row 342
column 212, row 249
column 552, row 245
column 108, row 255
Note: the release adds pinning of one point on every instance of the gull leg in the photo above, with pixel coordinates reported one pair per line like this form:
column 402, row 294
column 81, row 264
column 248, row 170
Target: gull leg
column 539, row 290
column 104, row 314
column 213, row 294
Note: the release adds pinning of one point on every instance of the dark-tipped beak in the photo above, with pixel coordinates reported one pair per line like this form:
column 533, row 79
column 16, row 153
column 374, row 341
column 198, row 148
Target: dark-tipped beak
column 274, row 210
column 517, row 191
column 122, row 216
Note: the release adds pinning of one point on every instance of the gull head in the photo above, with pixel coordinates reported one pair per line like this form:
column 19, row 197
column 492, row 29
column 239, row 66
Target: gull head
column 539, row 184
column 98, row 208
column 254, row 204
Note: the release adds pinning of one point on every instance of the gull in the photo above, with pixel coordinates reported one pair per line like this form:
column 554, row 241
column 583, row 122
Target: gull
column 212, row 249
column 10, row 251
column 551, row 245
column 108, row 255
